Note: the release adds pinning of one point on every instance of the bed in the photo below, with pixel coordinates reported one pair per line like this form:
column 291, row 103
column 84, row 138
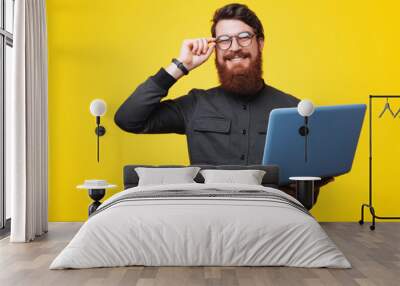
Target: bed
column 201, row 224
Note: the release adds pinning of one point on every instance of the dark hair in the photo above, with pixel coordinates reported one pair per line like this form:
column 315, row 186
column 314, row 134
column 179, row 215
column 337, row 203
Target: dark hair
column 240, row 12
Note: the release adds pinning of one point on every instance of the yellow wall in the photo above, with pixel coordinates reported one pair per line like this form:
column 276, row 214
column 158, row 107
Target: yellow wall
column 332, row 52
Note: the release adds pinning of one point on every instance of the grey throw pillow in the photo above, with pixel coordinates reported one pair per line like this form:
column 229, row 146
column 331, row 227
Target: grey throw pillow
column 161, row 176
column 248, row 177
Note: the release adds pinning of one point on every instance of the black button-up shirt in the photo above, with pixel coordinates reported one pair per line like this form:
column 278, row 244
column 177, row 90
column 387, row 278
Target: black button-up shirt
column 221, row 127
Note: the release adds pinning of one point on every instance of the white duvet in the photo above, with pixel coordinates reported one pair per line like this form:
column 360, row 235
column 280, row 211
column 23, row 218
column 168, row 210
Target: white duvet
column 200, row 231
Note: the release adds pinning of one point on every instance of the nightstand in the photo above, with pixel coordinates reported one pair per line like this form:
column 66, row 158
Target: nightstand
column 305, row 190
column 96, row 193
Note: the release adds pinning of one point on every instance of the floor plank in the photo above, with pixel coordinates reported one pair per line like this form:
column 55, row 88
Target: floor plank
column 375, row 257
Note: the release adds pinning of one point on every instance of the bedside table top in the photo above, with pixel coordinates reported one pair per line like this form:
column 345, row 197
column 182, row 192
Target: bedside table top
column 92, row 187
column 305, row 178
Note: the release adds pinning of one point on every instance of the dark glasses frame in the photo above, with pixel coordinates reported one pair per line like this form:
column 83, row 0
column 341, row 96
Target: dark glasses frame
column 237, row 37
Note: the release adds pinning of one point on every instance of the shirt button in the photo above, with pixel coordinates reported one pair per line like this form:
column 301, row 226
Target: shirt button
column 242, row 157
column 244, row 131
column 244, row 106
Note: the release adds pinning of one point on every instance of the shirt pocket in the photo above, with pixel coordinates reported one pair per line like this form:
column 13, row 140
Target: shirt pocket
column 212, row 124
column 210, row 141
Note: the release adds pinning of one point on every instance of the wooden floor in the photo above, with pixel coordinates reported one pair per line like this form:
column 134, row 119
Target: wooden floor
column 375, row 257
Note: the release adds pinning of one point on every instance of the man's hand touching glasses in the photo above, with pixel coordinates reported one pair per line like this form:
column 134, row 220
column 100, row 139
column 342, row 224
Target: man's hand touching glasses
column 193, row 53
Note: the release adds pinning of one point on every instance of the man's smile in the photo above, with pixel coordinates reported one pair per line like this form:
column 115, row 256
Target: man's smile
column 237, row 59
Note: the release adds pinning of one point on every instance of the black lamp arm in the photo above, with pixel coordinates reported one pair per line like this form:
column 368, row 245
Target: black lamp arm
column 305, row 138
column 100, row 131
column 303, row 130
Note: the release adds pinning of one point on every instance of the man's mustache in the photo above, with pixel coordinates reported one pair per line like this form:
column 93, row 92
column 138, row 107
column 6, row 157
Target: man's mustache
column 239, row 53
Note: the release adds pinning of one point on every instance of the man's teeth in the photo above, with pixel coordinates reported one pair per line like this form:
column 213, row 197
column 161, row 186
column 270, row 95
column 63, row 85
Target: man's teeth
column 236, row 59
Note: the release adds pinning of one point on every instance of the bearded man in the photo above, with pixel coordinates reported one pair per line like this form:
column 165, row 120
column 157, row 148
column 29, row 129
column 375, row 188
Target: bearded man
column 225, row 124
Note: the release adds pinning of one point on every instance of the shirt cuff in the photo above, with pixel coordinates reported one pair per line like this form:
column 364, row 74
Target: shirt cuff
column 163, row 79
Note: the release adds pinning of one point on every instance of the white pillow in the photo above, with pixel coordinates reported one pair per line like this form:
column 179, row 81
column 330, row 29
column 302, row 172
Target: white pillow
column 161, row 176
column 249, row 177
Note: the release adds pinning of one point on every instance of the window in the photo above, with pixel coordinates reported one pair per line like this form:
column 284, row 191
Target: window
column 6, row 60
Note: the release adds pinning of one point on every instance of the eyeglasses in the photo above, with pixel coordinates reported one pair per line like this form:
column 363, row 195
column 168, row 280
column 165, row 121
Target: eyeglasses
column 224, row 42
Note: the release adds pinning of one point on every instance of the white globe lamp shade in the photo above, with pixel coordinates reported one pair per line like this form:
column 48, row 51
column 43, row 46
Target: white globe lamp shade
column 98, row 107
column 305, row 108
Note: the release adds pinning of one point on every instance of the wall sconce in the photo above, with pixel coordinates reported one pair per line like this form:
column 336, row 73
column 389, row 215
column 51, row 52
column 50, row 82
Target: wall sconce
column 305, row 109
column 98, row 108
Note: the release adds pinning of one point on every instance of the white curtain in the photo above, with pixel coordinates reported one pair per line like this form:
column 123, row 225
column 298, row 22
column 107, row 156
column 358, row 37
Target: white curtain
column 26, row 123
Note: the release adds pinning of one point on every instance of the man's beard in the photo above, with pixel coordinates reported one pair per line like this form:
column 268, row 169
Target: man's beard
column 243, row 81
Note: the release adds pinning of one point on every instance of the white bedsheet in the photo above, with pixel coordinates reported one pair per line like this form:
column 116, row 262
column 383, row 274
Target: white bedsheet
column 200, row 231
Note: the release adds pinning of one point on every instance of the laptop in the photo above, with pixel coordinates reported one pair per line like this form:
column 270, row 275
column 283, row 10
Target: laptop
column 331, row 144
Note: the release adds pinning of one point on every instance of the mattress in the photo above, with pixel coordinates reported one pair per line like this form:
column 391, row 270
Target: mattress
column 201, row 225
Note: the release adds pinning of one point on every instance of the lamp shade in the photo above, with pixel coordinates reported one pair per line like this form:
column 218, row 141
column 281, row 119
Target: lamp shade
column 305, row 108
column 98, row 107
